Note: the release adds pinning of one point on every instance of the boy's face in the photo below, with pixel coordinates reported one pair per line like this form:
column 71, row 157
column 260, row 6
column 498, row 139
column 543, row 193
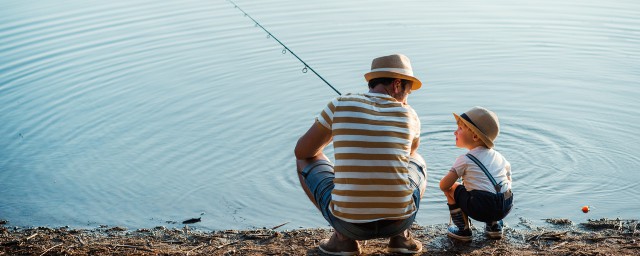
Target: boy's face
column 464, row 137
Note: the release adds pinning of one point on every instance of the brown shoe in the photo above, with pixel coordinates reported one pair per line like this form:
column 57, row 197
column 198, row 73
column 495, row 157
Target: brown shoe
column 404, row 243
column 339, row 244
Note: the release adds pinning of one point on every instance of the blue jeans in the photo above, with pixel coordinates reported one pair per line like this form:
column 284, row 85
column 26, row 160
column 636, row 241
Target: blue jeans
column 319, row 176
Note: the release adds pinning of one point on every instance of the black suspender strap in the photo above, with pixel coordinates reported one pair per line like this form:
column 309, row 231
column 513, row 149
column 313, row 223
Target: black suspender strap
column 486, row 172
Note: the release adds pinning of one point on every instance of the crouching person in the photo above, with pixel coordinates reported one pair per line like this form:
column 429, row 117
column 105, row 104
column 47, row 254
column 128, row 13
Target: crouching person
column 485, row 194
column 374, row 188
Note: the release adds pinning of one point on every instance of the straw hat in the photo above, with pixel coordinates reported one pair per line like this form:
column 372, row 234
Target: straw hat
column 482, row 122
column 393, row 66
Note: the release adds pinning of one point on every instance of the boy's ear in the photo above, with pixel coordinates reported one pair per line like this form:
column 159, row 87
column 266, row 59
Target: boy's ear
column 475, row 137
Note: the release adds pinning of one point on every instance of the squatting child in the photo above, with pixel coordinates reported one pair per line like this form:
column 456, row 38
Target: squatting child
column 484, row 195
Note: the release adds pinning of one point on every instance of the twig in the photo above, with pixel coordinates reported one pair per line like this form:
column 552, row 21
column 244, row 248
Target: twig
column 80, row 240
column 560, row 244
column 258, row 236
column 173, row 242
column 281, row 225
column 226, row 245
column 31, row 236
column 50, row 249
column 132, row 247
column 195, row 248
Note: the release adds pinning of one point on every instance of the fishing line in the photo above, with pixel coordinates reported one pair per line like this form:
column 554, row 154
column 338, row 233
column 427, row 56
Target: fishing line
column 284, row 51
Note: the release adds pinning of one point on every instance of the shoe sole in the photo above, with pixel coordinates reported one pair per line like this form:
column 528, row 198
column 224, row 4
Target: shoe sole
column 338, row 253
column 461, row 238
column 403, row 250
column 494, row 235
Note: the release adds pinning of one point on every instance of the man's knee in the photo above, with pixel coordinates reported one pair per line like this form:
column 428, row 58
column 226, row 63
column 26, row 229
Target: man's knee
column 300, row 165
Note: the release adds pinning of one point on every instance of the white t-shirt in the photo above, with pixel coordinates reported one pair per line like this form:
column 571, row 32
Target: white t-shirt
column 474, row 178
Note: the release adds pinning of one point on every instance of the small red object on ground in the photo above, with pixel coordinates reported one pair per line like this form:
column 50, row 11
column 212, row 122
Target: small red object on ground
column 585, row 209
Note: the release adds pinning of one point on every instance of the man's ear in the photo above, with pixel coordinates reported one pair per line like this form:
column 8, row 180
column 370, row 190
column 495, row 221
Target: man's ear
column 397, row 85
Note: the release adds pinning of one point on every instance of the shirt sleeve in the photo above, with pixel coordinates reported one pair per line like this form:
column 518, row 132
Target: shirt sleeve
column 460, row 165
column 415, row 123
column 508, row 168
column 325, row 118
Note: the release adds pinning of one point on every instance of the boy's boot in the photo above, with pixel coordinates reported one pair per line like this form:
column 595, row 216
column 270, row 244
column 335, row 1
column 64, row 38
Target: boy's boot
column 339, row 244
column 404, row 243
column 494, row 229
column 460, row 230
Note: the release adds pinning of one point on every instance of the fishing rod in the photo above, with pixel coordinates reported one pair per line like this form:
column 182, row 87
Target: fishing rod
column 269, row 35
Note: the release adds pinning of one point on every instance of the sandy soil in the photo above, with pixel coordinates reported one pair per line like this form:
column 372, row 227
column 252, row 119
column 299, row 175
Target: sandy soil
column 559, row 237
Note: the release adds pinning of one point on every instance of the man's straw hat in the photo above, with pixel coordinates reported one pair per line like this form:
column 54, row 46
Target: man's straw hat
column 393, row 66
column 482, row 122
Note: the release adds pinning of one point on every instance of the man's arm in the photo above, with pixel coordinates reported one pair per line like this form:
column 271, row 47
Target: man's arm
column 414, row 145
column 311, row 144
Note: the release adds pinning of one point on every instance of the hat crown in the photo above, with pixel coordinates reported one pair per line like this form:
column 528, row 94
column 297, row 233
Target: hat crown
column 486, row 121
column 393, row 66
column 395, row 62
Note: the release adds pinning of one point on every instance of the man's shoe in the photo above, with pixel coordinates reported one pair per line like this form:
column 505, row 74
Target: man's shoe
column 459, row 234
column 404, row 243
column 339, row 245
column 494, row 230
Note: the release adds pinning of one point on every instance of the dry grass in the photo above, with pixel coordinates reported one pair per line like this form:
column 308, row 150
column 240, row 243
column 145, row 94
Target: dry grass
column 598, row 237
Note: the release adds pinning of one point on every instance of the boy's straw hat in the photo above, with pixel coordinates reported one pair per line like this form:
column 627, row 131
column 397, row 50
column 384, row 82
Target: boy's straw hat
column 482, row 122
column 393, row 66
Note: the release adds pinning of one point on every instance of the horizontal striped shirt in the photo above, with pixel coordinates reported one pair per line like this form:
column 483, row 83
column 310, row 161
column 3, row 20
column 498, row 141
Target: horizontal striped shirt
column 372, row 137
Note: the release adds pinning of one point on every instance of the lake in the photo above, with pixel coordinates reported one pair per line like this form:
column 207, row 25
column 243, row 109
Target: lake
column 145, row 113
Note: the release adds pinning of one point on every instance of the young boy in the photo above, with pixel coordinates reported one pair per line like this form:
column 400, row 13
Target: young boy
column 482, row 196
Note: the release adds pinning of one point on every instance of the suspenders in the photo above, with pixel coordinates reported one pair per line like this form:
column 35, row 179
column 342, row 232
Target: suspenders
column 497, row 186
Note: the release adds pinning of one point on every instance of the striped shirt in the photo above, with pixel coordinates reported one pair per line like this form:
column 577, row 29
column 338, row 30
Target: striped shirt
column 372, row 137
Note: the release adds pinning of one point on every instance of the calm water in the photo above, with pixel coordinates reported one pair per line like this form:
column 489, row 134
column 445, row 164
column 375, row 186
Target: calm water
column 136, row 113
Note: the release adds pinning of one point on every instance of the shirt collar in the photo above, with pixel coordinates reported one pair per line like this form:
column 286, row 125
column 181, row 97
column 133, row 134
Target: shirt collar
column 479, row 149
column 380, row 95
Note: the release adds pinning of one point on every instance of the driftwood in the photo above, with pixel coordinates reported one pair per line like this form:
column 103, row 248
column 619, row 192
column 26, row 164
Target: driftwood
column 549, row 236
column 192, row 220
column 559, row 221
column 610, row 224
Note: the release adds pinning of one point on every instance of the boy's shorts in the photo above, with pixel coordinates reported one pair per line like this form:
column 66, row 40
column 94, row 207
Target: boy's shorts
column 319, row 176
column 482, row 205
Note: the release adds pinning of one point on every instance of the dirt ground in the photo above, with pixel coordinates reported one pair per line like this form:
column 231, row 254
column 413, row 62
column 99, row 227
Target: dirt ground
column 558, row 237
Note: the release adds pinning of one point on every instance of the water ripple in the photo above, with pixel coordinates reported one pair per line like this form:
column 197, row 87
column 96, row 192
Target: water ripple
column 142, row 112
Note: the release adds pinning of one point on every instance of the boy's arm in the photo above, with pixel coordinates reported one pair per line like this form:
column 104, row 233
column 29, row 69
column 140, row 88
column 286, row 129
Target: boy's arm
column 448, row 180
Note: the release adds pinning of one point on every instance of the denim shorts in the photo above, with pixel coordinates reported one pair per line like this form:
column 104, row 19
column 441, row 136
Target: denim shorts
column 482, row 205
column 319, row 176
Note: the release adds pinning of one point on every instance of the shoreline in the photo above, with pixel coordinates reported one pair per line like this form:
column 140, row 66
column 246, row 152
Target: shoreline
column 559, row 236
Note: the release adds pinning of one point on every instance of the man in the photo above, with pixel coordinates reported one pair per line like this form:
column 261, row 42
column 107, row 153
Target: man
column 375, row 188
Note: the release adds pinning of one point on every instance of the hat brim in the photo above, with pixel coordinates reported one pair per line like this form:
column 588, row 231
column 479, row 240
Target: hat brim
column 377, row 74
column 475, row 130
